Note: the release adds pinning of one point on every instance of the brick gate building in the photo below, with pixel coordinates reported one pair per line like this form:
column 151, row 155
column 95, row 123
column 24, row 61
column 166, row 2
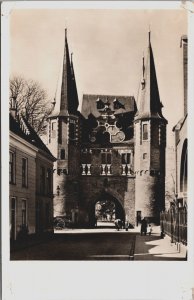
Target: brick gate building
column 112, row 150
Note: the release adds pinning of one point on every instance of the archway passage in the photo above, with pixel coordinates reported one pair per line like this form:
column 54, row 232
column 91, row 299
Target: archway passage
column 105, row 210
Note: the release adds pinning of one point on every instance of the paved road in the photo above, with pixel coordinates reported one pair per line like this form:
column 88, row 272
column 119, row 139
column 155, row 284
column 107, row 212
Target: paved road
column 95, row 245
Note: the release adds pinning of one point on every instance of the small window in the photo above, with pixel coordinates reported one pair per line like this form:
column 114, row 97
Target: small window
column 24, row 172
column 100, row 104
column 144, row 155
column 53, row 129
column 145, row 131
column 62, row 153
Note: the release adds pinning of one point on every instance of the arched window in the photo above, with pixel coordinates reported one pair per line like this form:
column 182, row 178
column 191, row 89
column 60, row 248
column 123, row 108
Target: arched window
column 62, row 153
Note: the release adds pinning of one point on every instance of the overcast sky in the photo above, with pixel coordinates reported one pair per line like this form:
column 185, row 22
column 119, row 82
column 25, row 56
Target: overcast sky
column 107, row 48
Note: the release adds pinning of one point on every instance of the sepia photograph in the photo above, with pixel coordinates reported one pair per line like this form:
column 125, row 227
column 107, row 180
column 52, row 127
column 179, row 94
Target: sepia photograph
column 98, row 140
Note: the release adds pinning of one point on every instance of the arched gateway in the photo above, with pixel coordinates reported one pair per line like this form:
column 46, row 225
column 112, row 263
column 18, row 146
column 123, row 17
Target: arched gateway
column 104, row 197
column 112, row 149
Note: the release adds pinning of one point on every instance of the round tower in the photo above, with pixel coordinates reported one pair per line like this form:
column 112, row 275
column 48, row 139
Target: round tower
column 150, row 144
column 63, row 124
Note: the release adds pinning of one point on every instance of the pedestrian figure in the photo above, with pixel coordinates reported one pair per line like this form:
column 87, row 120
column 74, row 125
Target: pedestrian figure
column 150, row 229
column 96, row 220
column 118, row 224
column 126, row 225
column 143, row 226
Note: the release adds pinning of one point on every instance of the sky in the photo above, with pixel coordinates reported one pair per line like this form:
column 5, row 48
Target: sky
column 107, row 48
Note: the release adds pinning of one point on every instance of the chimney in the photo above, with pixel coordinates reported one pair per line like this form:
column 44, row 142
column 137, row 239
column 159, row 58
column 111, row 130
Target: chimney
column 13, row 108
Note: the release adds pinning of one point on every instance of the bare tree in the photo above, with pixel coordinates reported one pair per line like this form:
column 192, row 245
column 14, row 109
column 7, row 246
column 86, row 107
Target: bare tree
column 31, row 101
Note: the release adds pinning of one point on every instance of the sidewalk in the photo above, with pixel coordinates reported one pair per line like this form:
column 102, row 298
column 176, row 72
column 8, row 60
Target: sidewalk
column 154, row 248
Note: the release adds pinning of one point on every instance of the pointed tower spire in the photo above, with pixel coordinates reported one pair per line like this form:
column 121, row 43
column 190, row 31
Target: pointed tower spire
column 149, row 37
column 66, row 102
column 149, row 99
column 74, row 104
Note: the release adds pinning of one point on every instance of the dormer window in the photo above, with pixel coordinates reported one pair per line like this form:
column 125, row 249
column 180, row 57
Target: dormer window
column 99, row 104
column 118, row 104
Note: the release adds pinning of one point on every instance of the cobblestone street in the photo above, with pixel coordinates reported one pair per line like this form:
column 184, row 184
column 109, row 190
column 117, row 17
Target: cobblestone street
column 81, row 246
column 101, row 243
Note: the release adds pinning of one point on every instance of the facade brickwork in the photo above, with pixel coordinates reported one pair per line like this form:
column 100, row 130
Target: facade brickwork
column 116, row 152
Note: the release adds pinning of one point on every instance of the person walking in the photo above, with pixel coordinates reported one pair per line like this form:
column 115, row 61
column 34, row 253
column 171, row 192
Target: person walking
column 143, row 226
column 150, row 229
column 117, row 224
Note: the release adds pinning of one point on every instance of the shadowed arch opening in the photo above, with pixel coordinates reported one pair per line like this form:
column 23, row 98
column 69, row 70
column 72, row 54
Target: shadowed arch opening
column 105, row 210
column 183, row 171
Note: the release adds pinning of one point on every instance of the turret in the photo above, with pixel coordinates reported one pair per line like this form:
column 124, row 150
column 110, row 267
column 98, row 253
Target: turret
column 150, row 143
column 63, row 135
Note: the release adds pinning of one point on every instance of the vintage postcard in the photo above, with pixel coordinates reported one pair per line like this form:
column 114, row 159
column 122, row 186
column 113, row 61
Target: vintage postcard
column 98, row 199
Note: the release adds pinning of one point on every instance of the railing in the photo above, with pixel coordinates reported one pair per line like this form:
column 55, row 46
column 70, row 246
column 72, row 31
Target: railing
column 106, row 169
column 174, row 223
column 126, row 169
column 86, row 169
